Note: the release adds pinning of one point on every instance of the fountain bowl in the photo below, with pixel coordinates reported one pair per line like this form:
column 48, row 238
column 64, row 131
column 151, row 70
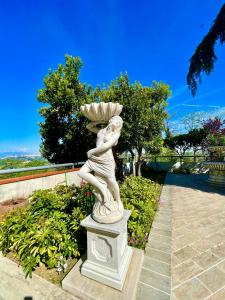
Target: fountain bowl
column 101, row 112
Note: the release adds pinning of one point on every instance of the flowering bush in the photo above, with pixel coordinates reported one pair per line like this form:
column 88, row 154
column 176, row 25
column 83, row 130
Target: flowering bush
column 215, row 126
column 216, row 132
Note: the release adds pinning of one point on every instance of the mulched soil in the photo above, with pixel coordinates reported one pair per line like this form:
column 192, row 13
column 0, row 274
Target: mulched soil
column 9, row 205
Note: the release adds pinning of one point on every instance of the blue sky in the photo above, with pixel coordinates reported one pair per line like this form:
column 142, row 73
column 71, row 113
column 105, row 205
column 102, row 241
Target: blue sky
column 151, row 40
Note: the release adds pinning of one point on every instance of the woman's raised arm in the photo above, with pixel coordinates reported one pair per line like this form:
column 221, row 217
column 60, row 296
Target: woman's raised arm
column 93, row 126
column 106, row 146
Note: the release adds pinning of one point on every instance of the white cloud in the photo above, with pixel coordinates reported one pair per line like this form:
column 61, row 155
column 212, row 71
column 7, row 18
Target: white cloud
column 214, row 106
column 191, row 105
column 210, row 93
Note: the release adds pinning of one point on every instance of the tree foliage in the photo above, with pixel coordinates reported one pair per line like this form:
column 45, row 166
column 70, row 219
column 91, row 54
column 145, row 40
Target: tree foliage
column 63, row 130
column 193, row 120
column 180, row 143
column 204, row 57
column 215, row 132
column 187, row 141
column 143, row 113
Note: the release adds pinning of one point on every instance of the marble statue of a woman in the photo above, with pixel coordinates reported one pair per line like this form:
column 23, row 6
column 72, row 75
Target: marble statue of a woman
column 99, row 170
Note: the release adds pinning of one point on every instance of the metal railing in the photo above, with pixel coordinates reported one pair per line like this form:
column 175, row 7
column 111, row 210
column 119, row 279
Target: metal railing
column 175, row 158
column 10, row 171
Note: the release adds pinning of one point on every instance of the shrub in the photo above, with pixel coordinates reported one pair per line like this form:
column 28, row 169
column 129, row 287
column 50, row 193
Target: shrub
column 140, row 196
column 48, row 230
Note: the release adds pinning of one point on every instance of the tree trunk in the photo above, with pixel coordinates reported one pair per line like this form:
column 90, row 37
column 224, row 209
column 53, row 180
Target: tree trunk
column 139, row 162
column 194, row 152
column 134, row 167
column 133, row 163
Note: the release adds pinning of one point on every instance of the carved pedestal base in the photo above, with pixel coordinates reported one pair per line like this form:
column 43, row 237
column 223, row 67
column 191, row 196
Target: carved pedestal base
column 108, row 255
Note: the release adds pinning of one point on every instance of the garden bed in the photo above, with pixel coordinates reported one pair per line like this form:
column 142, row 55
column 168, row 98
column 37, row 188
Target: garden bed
column 45, row 237
column 9, row 205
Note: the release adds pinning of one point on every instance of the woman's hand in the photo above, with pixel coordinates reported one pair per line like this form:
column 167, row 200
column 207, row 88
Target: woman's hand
column 90, row 153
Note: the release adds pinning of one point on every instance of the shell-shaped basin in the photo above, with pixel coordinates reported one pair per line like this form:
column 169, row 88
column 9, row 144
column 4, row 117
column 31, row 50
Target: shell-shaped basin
column 101, row 111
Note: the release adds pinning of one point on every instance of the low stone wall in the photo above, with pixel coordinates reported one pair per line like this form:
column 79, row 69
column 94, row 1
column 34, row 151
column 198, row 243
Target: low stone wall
column 23, row 187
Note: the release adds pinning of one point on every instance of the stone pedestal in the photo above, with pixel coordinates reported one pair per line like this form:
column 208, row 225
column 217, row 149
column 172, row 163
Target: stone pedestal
column 108, row 255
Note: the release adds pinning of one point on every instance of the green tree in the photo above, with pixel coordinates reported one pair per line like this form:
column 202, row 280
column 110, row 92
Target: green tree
column 180, row 143
column 193, row 120
column 204, row 57
column 196, row 138
column 143, row 113
column 63, row 130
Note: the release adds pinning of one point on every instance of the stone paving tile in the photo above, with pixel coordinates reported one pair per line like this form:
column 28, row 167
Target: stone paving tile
column 220, row 295
column 157, row 266
column 158, row 255
column 174, row 261
column 155, row 280
column 217, row 217
column 180, row 243
column 192, row 290
column 159, row 246
column 202, row 245
column 160, row 238
column 159, row 225
column 175, row 280
column 185, row 253
column 186, row 270
column 180, row 230
column 162, row 220
column 216, row 238
column 145, row 292
column 214, row 279
column 164, row 232
column 219, row 250
column 206, row 259
column 221, row 266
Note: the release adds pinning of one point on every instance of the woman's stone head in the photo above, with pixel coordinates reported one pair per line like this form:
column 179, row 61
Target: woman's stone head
column 116, row 123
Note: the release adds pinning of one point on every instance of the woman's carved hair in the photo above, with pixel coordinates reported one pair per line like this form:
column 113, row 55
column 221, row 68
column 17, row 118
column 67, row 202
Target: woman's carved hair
column 118, row 122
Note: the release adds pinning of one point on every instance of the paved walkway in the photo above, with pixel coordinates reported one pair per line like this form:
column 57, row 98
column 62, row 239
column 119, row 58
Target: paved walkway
column 198, row 238
column 13, row 285
column 187, row 241
column 155, row 278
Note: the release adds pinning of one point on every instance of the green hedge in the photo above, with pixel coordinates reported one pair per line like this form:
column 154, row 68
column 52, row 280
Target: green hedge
column 140, row 196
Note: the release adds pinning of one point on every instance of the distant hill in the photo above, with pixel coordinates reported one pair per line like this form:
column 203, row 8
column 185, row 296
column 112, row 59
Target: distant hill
column 19, row 155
